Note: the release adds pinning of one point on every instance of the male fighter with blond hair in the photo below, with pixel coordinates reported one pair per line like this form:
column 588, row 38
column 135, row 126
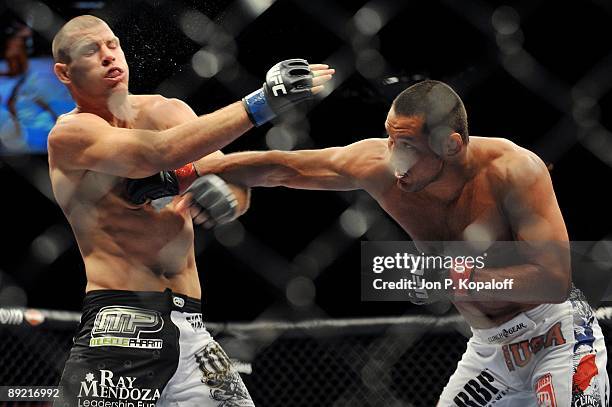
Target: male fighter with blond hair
column 142, row 340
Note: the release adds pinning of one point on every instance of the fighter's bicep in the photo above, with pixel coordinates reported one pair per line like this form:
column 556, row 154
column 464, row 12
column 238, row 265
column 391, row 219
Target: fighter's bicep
column 362, row 163
column 532, row 208
column 538, row 226
column 168, row 113
column 328, row 169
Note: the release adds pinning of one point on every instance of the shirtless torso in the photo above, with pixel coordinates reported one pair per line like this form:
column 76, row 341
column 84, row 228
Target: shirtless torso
column 126, row 246
column 500, row 189
column 479, row 201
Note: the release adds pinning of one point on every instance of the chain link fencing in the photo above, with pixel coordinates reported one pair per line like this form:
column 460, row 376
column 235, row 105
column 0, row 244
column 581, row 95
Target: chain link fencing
column 376, row 362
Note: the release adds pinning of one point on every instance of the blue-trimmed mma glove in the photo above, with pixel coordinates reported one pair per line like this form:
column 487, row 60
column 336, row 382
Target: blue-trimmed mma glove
column 214, row 198
column 287, row 83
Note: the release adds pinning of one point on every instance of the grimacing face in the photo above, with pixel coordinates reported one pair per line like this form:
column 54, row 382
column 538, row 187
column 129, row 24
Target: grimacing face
column 414, row 164
column 98, row 66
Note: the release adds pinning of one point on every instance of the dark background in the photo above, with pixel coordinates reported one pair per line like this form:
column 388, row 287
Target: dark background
column 538, row 74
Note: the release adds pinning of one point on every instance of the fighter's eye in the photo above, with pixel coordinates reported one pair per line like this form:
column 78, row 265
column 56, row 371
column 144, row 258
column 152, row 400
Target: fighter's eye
column 406, row 146
column 90, row 50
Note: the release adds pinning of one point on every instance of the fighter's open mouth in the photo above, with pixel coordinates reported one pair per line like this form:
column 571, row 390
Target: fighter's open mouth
column 114, row 72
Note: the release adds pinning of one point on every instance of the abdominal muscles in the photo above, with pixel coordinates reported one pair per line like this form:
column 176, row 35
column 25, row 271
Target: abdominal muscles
column 134, row 243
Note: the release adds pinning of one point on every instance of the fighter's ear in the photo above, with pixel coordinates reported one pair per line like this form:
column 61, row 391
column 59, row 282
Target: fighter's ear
column 453, row 145
column 62, row 73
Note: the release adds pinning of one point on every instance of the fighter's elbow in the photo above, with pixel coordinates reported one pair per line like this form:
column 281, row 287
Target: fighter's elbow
column 145, row 154
column 558, row 287
column 149, row 163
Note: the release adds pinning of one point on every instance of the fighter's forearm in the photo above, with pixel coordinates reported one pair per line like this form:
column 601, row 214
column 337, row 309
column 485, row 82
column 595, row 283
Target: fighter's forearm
column 526, row 283
column 199, row 137
column 250, row 169
column 324, row 169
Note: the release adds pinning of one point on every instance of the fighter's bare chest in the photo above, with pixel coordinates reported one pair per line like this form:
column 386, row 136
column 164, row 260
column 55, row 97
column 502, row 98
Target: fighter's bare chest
column 475, row 214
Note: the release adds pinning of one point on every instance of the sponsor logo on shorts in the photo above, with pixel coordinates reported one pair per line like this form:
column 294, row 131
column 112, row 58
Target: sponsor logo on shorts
column 586, row 400
column 507, row 332
column 122, row 327
column 520, row 353
column 178, row 301
column 108, row 390
column 196, row 322
column 545, row 391
column 481, row 391
column 214, row 364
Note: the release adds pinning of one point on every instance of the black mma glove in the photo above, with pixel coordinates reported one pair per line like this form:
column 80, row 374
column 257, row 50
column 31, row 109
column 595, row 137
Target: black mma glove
column 215, row 198
column 449, row 286
column 287, row 83
column 160, row 185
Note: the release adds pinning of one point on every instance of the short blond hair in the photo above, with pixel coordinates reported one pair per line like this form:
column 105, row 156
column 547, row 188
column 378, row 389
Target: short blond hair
column 61, row 41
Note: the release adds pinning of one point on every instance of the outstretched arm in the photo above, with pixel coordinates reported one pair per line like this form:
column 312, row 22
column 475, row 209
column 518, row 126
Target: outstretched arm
column 336, row 168
column 87, row 142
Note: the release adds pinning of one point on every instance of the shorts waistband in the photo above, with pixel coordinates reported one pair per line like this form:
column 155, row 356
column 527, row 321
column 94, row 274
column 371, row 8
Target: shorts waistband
column 162, row 301
column 537, row 314
column 512, row 329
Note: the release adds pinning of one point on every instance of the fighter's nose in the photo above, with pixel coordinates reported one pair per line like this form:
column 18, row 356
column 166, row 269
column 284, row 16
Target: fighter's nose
column 107, row 61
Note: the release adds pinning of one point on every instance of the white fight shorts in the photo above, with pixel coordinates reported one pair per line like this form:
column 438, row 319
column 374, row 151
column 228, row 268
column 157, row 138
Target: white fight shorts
column 553, row 355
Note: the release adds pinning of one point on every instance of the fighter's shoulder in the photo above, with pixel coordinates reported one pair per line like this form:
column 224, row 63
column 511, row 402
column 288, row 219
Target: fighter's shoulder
column 368, row 148
column 156, row 104
column 156, row 101
column 366, row 159
column 365, row 153
column 71, row 132
column 511, row 164
column 73, row 123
